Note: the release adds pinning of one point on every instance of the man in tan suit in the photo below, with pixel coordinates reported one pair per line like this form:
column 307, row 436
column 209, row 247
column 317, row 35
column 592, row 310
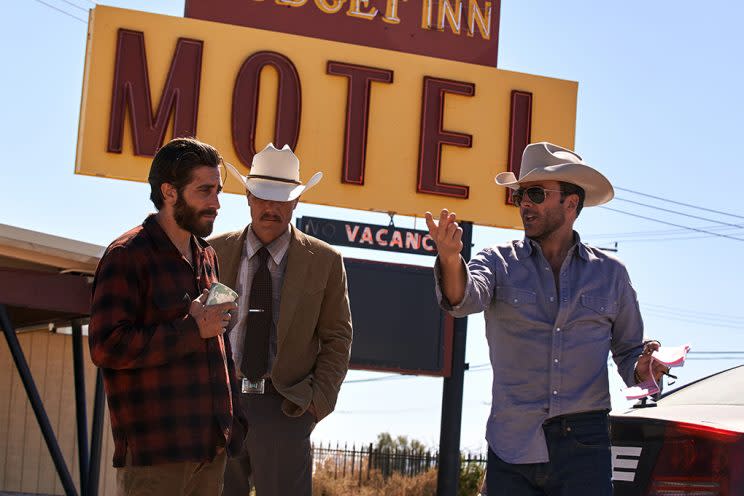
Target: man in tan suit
column 291, row 337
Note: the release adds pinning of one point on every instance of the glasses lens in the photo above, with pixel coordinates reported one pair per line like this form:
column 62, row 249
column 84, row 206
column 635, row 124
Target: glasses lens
column 535, row 194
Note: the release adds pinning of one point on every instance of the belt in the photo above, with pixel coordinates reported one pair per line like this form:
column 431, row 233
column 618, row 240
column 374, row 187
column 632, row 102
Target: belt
column 260, row 386
column 573, row 418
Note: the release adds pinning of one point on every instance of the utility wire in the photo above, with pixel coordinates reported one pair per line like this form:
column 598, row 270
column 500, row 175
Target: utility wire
column 672, row 224
column 390, row 377
column 481, row 367
column 62, row 11
column 75, row 5
column 738, row 357
column 698, row 322
column 693, row 319
column 680, row 203
column 657, row 240
column 731, row 352
column 376, row 412
column 676, row 212
column 674, row 234
column 663, row 234
column 659, row 232
column 693, row 313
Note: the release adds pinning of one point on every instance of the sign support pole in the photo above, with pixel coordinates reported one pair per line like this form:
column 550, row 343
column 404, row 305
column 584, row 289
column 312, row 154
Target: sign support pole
column 32, row 393
column 448, row 477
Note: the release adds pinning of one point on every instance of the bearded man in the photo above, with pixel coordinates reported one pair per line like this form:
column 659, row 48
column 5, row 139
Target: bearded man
column 168, row 371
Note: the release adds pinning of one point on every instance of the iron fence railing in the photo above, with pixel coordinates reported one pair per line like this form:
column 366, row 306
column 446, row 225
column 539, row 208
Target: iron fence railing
column 360, row 462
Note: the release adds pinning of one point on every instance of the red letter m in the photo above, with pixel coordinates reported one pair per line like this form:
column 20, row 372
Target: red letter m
column 131, row 91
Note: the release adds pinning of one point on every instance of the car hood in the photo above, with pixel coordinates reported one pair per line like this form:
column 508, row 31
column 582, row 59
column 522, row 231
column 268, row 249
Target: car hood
column 729, row 417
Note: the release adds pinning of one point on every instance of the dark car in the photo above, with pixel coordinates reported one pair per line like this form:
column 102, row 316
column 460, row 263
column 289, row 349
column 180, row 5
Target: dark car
column 690, row 443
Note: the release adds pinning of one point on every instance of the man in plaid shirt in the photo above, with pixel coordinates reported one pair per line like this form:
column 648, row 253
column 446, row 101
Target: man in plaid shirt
column 168, row 371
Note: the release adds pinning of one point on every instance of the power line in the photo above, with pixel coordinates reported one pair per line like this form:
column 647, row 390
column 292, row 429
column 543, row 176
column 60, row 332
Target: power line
column 377, row 412
column 62, row 11
column 691, row 319
column 680, row 203
column 676, row 212
column 730, row 352
column 481, row 367
column 475, row 368
column 674, row 234
column 75, row 5
column 672, row 224
column 738, row 357
column 662, row 234
column 696, row 322
column 694, row 313
column 656, row 240
column 657, row 232
column 390, row 377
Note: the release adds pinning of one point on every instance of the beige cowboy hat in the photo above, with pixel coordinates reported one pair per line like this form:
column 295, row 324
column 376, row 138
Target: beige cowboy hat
column 548, row 162
column 275, row 175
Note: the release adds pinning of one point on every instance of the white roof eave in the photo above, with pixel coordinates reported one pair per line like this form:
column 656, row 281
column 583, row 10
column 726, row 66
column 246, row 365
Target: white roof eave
column 46, row 249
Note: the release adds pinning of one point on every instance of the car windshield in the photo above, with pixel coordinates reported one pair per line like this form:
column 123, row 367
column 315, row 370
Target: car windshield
column 724, row 388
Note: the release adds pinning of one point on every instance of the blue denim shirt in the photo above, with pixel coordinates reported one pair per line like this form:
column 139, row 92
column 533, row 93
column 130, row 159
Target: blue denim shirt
column 548, row 346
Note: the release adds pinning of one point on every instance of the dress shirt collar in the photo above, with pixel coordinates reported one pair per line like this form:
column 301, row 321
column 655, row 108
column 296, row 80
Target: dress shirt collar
column 277, row 248
column 527, row 245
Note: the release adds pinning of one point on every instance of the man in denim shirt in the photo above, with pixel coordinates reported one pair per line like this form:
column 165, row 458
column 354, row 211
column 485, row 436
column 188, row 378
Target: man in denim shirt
column 554, row 308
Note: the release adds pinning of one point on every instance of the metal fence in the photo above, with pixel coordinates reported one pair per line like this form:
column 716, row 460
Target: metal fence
column 360, row 462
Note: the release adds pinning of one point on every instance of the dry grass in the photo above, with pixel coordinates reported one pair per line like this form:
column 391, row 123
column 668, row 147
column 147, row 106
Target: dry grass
column 324, row 484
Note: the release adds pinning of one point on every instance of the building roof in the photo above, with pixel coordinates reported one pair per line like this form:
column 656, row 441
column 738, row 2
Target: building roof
column 45, row 278
column 23, row 248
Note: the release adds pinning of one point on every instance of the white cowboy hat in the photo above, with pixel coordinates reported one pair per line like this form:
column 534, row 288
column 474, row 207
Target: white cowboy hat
column 275, row 175
column 548, row 162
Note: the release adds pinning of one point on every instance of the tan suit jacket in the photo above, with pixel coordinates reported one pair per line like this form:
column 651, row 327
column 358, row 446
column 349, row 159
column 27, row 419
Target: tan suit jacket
column 314, row 329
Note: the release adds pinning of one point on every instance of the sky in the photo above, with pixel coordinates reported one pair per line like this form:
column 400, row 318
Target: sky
column 659, row 113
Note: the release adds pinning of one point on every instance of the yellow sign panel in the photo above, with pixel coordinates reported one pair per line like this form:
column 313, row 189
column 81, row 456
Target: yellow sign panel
column 391, row 131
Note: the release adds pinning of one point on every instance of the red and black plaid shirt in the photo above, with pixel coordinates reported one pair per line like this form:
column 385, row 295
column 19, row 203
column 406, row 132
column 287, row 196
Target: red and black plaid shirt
column 169, row 390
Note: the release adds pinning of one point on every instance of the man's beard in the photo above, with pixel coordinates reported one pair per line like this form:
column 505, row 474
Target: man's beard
column 189, row 219
column 551, row 221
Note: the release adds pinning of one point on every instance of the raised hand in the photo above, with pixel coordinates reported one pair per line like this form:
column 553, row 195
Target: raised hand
column 447, row 235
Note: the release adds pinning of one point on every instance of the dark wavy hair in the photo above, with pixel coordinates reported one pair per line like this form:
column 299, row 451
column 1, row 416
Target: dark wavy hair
column 174, row 163
column 572, row 189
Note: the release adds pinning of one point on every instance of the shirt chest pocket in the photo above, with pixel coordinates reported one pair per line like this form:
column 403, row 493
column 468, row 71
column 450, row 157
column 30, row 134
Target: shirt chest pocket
column 598, row 306
column 170, row 306
column 515, row 297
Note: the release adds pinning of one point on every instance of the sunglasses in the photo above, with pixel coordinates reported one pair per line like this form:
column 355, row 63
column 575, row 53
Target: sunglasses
column 536, row 194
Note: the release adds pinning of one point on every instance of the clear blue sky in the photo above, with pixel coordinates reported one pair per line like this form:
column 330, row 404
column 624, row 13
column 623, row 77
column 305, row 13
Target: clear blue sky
column 659, row 112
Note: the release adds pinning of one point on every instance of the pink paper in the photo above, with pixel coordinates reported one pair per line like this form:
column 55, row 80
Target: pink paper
column 672, row 356
column 641, row 390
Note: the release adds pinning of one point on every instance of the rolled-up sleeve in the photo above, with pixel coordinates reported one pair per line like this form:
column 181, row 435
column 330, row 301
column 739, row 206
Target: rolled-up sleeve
column 480, row 280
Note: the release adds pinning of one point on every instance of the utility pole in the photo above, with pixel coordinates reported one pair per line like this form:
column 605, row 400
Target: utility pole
column 448, row 477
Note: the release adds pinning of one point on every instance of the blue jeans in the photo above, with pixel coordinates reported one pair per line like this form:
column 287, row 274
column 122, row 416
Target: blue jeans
column 580, row 462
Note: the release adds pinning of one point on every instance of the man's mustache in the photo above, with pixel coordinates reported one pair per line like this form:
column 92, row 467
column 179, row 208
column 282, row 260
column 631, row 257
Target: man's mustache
column 271, row 217
column 208, row 211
